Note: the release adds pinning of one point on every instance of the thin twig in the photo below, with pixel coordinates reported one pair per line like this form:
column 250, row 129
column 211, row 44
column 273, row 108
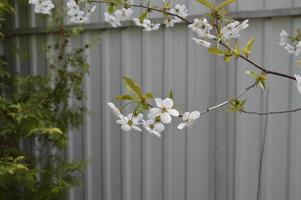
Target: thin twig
column 144, row 6
column 262, row 147
column 228, row 101
column 271, row 113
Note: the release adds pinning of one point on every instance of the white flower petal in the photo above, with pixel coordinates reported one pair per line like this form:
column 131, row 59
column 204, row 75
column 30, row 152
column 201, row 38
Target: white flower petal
column 137, row 128
column 168, row 103
column 159, row 127
column 185, row 116
column 194, row 115
column 153, row 112
column 173, row 112
column 181, row 126
column 126, row 127
column 159, row 102
column 157, row 133
column 165, row 118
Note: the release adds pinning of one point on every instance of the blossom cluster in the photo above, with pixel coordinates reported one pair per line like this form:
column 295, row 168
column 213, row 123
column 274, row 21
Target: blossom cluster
column 42, row 6
column 76, row 14
column 293, row 47
column 157, row 117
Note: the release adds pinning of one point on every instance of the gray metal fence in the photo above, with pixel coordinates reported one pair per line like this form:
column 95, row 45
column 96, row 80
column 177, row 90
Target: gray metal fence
column 215, row 160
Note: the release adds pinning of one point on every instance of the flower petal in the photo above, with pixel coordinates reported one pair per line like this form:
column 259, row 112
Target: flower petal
column 181, row 126
column 157, row 133
column 126, row 127
column 165, row 118
column 159, row 127
column 194, row 115
column 159, row 102
column 185, row 116
column 168, row 103
column 137, row 128
column 173, row 112
column 153, row 112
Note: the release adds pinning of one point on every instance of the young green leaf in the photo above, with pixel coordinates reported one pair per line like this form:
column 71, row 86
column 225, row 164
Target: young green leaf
column 236, row 105
column 170, row 94
column 111, row 9
column 132, row 86
column 143, row 16
column 224, row 4
column 125, row 97
column 247, row 49
column 206, row 3
column 215, row 51
column 148, row 95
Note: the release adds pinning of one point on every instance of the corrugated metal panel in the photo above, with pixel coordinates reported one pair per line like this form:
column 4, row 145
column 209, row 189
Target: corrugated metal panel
column 215, row 160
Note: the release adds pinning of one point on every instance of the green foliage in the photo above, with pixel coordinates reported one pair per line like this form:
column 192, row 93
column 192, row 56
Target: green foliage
column 260, row 79
column 37, row 110
column 224, row 4
column 206, row 3
column 236, row 105
column 247, row 49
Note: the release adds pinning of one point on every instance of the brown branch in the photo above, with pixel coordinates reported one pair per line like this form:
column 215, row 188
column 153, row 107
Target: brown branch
column 143, row 6
column 271, row 113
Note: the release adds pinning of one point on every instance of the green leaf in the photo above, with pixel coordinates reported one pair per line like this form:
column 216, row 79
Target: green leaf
column 236, row 105
column 206, row 3
column 224, row 4
column 236, row 50
column 124, row 97
column 148, row 95
column 111, row 9
column 170, row 94
column 247, row 49
column 132, row 86
column 216, row 51
column 143, row 16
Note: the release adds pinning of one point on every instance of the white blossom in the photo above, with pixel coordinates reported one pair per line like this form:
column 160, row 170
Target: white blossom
column 164, row 109
column 202, row 28
column 114, row 109
column 298, row 82
column 181, row 11
column 283, row 38
column 123, row 14
column 153, row 127
column 169, row 22
column 188, row 119
column 113, row 20
column 293, row 49
column 130, row 122
column 202, row 42
column 146, row 24
column 232, row 30
column 42, row 6
column 76, row 14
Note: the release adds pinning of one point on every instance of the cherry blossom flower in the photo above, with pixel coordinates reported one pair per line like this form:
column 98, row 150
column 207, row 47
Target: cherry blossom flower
column 169, row 22
column 181, row 11
column 298, row 84
column 232, row 30
column 164, row 109
column 76, row 14
column 124, row 14
column 188, row 119
column 202, row 42
column 293, row 49
column 113, row 20
column 130, row 122
column 283, row 38
column 154, row 127
column 42, row 6
column 114, row 109
column 146, row 24
column 202, row 28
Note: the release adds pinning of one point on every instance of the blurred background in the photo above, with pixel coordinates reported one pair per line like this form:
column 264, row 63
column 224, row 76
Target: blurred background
column 217, row 159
